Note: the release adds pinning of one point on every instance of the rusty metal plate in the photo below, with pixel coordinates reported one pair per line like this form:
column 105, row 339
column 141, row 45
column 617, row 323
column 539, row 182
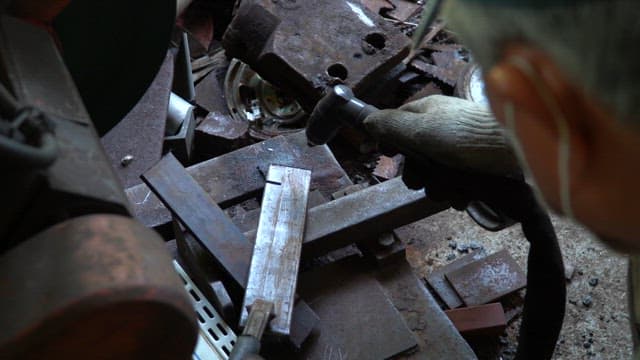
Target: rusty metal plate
column 442, row 287
column 437, row 336
column 238, row 175
column 303, row 47
column 357, row 319
column 488, row 279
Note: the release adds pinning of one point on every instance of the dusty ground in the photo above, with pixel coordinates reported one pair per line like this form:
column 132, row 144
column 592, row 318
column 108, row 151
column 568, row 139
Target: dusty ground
column 597, row 330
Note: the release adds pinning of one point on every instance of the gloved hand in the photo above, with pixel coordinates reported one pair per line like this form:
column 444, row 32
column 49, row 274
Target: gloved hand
column 455, row 149
column 458, row 152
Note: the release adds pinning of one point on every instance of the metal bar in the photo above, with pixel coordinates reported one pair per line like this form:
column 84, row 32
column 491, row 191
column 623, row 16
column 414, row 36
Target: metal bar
column 236, row 176
column 212, row 228
column 364, row 214
column 202, row 217
column 276, row 256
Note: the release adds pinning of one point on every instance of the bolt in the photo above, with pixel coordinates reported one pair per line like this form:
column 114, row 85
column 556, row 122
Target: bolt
column 126, row 160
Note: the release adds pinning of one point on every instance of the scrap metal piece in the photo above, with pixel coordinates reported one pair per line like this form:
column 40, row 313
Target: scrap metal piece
column 487, row 279
column 483, row 320
column 68, row 291
column 364, row 214
column 357, row 319
column 236, row 176
column 202, row 217
column 437, row 337
column 471, row 86
column 447, row 66
column 276, row 255
column 304, row 47
column 388, row 167
column 216, row 339
column 442, row 287
column 181, row 125
column 207, row 222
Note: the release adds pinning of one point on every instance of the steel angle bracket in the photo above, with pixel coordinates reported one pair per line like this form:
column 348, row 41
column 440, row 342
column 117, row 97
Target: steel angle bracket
column 276, row 256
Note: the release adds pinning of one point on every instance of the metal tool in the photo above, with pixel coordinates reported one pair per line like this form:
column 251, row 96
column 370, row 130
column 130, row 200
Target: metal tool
column 276, row 256
column 337, row 108
column 248, row 345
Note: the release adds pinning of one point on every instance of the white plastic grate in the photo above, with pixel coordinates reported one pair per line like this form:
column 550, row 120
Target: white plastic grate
column 216, row 339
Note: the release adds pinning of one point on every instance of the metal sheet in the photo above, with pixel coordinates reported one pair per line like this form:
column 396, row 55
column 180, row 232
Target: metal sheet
column 141, row 132
column 276, row 255
column 238, row 175
column 488, row 279
column 442, row 287
column 437, row 337
column 357, row 320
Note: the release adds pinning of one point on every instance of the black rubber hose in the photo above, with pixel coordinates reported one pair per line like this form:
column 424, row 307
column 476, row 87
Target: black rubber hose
column 545, row 300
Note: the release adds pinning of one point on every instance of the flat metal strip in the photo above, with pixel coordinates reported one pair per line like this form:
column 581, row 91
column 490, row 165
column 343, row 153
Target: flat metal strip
column 216, row 339
column 276, row 256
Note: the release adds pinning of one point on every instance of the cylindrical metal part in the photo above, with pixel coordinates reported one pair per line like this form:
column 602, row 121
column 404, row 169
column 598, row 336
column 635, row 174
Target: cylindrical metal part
column 179, row 110
column 334, row 110
column 90, row 287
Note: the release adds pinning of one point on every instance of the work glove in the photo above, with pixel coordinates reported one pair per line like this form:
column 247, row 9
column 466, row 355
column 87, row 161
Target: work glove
column 458, row 152
column 455, row 149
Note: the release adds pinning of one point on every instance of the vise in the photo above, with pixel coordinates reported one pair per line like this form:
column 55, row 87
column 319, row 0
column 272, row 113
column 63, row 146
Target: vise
column 306, row 47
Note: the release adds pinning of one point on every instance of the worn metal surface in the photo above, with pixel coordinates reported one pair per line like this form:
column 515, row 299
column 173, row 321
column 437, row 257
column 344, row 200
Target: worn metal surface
column 216, row 338
column 483, row 320
column 81, row 180
column 141, row 131
column 281, row 41
column 207, row 222
column 238, row 175
column 442, row 286
column 447, row 66
column 202, row 217
column 69, row 290
column 364, row 214
column 276, row 255
column 357, row 319
column 437, row 337
column 487, row 279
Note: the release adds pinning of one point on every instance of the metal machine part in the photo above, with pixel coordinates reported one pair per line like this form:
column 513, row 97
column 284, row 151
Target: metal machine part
column 276, row 254
column 68, row 291
column 337, row 108
column 179, row 110
column 180, row 129
column 215, row 338
column 81, row 180
column 471, row 85
column 281, row 40
column 268, row 110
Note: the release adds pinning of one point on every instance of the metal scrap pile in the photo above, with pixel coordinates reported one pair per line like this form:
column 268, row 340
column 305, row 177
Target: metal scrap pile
column 231, row 100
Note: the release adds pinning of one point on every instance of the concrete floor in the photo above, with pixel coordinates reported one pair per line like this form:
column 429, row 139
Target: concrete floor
column 598, row 331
